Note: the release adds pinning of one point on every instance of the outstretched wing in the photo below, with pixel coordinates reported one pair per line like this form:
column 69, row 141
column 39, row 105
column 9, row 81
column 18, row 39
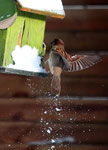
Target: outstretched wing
column 75, row 62
column 80, row 62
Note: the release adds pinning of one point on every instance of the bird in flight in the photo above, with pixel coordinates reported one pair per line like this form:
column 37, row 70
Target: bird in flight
column 59, row 60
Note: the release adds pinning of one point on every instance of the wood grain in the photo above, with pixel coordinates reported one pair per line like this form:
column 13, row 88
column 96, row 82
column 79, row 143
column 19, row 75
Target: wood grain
column 80, row 41
column 80, row 20
column 72, row 110
column 61, row 147
column 26, row 132
column 84, row 2
column 75, row 87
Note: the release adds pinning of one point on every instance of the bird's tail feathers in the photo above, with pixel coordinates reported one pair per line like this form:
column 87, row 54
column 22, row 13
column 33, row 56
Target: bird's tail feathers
column 56, row 83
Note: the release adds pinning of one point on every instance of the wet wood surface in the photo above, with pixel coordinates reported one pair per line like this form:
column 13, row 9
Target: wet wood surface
column 30, row 132
column 38, row 121
column 65, row 109
column 74, row 147
column 31, row 118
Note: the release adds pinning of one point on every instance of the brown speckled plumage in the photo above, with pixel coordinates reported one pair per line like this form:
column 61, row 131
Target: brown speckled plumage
column 60, row 60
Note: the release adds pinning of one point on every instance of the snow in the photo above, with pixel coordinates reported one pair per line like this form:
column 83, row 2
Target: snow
column 45, row 112
column 52, row 147
column 53, row 141
column 57, row 109
column 26, row 59
column 43, row 5
column 48, row 131
column 47, row 123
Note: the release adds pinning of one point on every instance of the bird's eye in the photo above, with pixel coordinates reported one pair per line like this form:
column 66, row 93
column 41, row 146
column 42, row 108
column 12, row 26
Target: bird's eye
column 52, row 44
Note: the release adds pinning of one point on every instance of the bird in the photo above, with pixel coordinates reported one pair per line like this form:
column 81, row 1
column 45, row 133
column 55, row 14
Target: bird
column 59, row 60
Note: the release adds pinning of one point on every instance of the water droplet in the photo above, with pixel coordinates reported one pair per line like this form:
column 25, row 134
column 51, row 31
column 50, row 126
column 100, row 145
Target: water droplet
column 89, row 130
column 9, row 145
column 47, row 123
column 58, row 109
column 84, row 131
column 41, row 120
column 45, row 112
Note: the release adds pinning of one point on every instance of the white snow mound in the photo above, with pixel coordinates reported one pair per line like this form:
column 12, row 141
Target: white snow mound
column 27, row 59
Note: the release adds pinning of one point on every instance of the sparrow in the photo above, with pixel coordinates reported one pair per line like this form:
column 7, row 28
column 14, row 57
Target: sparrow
column 59, row 60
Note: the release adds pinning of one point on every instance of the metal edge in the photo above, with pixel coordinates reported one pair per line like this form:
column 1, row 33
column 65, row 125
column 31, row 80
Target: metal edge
column 7, row 70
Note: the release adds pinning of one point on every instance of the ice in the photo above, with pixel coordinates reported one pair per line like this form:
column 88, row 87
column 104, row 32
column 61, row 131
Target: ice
column 26, row 58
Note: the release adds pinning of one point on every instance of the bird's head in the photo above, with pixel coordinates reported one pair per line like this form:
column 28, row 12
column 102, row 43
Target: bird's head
column 57, row 42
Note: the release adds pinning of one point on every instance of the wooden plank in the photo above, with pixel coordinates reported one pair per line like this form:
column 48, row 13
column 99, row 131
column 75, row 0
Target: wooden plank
column 84, row 87
column 11, row 41
column 11, row 84
column 56, row 147
column 2, row 43
column 80, row 19
column 84, row 2
column 18, row 86
column 49, row 109
column 80, row 41
column 27, row 132
column 33, row 30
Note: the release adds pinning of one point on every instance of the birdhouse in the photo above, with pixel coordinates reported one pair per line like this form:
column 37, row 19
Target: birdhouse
column 22, row 22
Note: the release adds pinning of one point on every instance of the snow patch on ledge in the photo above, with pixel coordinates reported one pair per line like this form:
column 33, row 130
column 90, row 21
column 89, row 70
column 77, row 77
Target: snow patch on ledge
column 55, row 6
column 27, row 59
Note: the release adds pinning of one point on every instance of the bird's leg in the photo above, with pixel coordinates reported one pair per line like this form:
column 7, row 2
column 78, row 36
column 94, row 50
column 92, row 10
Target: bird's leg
column 56, row 80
